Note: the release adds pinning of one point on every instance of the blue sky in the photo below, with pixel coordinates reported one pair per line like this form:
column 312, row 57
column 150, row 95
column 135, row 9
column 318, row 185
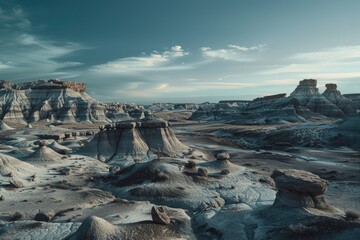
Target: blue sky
column 182, row 50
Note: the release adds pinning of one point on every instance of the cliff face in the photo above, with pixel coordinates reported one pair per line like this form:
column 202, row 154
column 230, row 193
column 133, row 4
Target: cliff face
column 52, row 99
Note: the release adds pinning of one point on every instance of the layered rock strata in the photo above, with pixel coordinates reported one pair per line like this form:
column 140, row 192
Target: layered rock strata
column 124, row 143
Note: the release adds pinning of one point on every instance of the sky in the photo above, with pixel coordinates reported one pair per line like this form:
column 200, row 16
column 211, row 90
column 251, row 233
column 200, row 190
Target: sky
column 147, row 51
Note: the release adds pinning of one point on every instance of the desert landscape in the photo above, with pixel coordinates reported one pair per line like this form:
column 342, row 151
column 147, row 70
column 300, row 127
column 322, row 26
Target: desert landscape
column 181, row 119
column 276, row 167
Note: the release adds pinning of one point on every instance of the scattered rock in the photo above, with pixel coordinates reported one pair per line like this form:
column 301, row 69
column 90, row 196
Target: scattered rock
column 225, row 172
column 223, row 156
column 65, row 171
column 159, row 215
column 114, row 170
column 190, row 164
column 43, row 217
column 202, row 172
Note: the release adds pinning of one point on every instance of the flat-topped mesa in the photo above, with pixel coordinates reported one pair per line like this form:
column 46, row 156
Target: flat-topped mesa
column 270, row 97
column 44, row 84
column 308, row 83
column 54, row 83
column 55, row 100
column 331, row 86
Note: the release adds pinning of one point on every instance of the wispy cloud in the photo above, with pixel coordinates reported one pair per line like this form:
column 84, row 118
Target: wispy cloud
column 346, row 53
column 13, row 18
column 223, row 85
column 233, row 53
column 24, row 54
column 338, row 62
column 155, row 61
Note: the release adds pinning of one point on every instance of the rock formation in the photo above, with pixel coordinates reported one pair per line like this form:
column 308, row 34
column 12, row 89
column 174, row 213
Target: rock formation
column 305, row 104
column 298, row 188
column 345, row 104
column 308, row 96
column 159, row 215
column 126, row 142
column 53, row 100
column 44, row 154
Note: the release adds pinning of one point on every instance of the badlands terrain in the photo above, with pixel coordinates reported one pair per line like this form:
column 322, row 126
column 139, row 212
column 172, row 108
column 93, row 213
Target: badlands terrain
column 276, row 167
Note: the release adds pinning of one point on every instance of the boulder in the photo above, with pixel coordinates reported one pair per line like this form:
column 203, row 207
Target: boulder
column 223, row 156
column 298, row 189
column 159, row 215
column 202, row 172
column 43, row 217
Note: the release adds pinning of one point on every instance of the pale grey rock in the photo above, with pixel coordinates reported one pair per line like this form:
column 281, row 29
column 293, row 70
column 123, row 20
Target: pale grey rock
column 297, row 188
column 16, row 183
column 124, row 143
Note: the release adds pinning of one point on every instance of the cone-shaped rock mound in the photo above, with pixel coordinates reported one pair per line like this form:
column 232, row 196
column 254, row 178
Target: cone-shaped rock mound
column 44, row 154
column 96, row 228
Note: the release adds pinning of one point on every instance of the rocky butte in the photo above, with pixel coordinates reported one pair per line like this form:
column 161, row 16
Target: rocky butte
column 57, row 101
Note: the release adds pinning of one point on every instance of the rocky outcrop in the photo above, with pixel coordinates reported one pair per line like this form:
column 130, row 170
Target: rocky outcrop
column 305, row 104
column 345, row 104
column 308, row 96
column 124, row 143
column 53, row 99
column 44, row 84
column 299, row 189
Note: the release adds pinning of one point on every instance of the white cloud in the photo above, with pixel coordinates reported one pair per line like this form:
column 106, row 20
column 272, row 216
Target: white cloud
column 233, row 53
column 154, row 62
column 25, row 55
column 338, row 62
column 337, row 54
